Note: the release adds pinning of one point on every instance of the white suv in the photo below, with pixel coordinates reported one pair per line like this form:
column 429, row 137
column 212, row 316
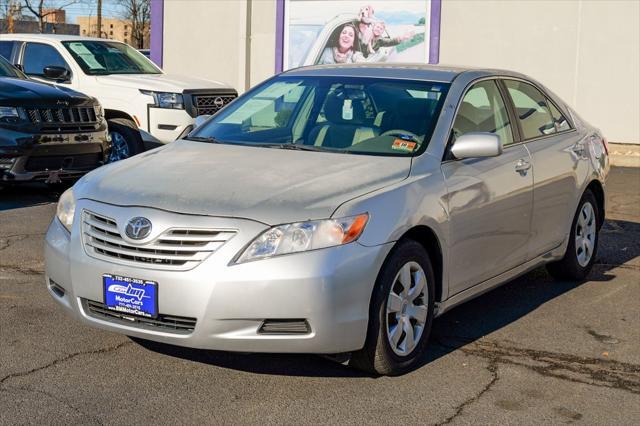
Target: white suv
column 135, row 93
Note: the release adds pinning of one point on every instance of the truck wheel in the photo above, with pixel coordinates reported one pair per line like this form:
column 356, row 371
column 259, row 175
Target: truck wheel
column 401, row 313
column 583, row 242
column 125, row 139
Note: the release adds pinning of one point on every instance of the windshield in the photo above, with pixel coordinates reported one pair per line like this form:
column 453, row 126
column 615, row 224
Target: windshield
column 348, row 115
column 8, row 70
column 105, row 57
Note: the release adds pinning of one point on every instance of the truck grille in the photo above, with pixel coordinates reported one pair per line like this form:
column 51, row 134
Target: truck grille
column 176, row 324
column 55, row 119
column 210, row 104
column 175, row 249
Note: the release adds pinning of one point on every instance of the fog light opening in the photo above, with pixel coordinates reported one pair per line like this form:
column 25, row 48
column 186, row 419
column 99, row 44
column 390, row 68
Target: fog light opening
column 284, row 326
column 57, row 289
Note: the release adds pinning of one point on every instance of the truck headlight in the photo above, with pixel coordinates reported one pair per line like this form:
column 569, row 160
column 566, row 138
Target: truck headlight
column 304, row 236
column 10, row 115
column 99, row 111
column 165, row 100
column 66, row 208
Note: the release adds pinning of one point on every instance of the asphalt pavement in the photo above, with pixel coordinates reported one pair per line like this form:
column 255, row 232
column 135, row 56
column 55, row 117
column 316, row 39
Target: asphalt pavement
column 533, row 351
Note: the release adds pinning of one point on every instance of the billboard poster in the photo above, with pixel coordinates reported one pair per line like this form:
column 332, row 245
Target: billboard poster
column 355, row 31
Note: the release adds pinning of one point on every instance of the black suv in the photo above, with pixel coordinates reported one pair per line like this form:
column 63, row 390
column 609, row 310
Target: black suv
column 47, row 133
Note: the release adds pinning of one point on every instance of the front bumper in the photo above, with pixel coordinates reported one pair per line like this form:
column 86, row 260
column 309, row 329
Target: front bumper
column 328, row 288
column 49, row 157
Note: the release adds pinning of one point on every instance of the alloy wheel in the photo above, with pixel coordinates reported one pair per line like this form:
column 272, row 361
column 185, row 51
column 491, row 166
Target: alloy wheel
column 407, row 309
column 119, row 147
column 585, row 234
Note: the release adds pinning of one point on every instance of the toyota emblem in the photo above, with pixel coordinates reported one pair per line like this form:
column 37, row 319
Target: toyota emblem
column 138, row 228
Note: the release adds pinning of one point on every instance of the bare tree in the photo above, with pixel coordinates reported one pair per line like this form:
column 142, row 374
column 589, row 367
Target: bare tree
column 43, row 8
column 138, row 14
column 9, row 11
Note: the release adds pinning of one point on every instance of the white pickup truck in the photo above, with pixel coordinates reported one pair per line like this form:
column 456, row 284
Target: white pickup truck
column 138, row 97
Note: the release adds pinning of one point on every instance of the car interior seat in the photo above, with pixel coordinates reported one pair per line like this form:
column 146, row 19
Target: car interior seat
column 346, row 124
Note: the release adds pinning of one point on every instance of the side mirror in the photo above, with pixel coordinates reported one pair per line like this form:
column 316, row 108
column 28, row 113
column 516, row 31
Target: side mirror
column 201, row 119
column 56, row 73
column 477, row 145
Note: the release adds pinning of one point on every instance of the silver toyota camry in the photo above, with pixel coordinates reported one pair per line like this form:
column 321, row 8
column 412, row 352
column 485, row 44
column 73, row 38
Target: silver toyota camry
column 334, row 209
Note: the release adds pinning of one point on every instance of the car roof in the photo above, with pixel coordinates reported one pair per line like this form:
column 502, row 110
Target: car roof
column 50, row 37
column 408, row 71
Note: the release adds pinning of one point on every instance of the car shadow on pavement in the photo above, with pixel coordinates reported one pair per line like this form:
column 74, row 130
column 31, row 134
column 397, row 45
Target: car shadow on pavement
column 27, row 195
column 620, row 243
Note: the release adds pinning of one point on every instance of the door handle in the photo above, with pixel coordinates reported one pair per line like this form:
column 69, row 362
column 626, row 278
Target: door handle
column 522, row 166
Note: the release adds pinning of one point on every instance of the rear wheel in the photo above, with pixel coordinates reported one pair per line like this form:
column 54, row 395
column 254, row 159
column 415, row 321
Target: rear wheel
column 125, row 139
column 583, row 242
column 401, row 313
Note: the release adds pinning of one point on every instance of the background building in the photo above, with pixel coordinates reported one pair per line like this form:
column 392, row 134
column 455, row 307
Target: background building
column 587, row 51
column 54, row 16
column 112, row 29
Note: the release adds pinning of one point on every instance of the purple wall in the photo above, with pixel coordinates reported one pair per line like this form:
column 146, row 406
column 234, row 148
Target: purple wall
column 157, row 31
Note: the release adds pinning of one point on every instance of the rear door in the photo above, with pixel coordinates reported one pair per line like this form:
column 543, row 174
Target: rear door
column 489, row 199
column 558, row 159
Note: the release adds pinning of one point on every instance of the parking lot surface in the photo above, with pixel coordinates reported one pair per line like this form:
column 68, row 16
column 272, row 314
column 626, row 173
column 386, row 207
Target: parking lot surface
column 533, row 351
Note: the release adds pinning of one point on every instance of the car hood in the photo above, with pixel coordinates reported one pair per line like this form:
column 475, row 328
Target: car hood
column 271, row 186
column 18, row 92
column 159, row 82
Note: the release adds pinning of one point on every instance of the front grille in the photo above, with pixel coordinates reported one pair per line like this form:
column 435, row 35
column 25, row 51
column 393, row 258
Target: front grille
column 60, row 119
column 285, row 326
column 173, row 323
column 65, row 162
column 210, row 104
column 175, row 249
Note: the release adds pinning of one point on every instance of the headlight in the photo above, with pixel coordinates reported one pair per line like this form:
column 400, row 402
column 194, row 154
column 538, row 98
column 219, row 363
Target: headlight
column 304, row 236
column 66, row 208
column 99, row 111
column 166, row 100
column 10, row 115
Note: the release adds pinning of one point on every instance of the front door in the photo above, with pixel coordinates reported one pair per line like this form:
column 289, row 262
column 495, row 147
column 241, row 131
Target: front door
column 490, row 200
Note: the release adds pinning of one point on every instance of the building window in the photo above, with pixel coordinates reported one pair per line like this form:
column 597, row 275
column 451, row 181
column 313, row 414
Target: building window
column 111, row 26
column 125, row 34
column 110, row 32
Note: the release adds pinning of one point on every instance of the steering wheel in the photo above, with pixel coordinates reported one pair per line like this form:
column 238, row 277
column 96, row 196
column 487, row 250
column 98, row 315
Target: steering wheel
column 402, row 134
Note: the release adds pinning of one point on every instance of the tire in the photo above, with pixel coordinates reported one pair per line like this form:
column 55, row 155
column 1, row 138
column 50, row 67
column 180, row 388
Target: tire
column 125, row 139
column 378, row 355
column 582, row 250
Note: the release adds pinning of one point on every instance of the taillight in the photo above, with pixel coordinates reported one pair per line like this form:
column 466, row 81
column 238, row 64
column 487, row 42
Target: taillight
column 605, row 143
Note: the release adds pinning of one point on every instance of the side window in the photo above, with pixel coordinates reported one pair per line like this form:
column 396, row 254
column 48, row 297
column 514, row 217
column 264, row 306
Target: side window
column 37, row 56
column 6, row 47
column 532, row 109
column 483, row 110
column 559, row 119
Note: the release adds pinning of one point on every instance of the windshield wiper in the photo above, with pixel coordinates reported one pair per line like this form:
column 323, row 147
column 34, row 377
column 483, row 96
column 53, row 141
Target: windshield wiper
column 298, row 147
column 208, row 139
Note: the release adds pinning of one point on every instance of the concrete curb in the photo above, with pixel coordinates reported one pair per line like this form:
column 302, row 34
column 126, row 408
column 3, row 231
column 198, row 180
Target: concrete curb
column 624, row 155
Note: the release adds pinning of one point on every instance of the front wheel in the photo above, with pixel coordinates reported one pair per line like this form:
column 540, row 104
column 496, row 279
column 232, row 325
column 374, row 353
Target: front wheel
column 125, row 139
column 401, row 313
column 583, row 242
